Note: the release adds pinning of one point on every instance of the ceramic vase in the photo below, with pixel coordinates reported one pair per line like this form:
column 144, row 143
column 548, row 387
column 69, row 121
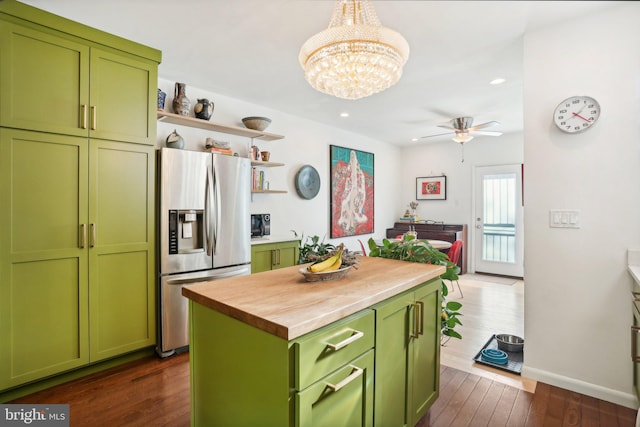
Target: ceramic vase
column 174, row 140
column 181, row 104
column 161, row 98
column 203, row 109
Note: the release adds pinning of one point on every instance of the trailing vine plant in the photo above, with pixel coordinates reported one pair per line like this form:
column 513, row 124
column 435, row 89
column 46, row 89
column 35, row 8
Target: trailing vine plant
column 413, row 250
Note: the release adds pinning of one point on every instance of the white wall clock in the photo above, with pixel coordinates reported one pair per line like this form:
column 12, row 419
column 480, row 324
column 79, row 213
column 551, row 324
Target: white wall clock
column 576, row 114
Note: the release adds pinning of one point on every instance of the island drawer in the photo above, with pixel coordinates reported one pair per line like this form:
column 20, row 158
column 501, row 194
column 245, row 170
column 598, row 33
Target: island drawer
column 327, row 349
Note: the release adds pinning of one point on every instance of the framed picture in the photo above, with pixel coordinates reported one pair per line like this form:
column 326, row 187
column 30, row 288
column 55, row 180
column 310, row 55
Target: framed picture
column 431, row 188
column 352, row 174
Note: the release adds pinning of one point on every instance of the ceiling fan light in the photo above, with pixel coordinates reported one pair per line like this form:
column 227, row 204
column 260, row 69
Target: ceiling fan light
column 356, row 56
column 462, row 137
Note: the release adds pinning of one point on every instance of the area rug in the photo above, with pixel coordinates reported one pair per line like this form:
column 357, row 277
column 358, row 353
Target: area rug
column 492, row 279
column 514, row 363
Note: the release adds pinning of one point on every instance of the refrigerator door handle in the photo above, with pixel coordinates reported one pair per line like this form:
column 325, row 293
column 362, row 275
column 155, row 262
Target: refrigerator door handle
column 207, row 214
column 217, row 210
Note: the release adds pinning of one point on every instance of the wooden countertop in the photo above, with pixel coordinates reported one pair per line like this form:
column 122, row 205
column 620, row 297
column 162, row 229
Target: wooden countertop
column 282, row 303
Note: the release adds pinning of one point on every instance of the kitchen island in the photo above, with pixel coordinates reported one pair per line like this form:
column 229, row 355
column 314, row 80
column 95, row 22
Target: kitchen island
column 270, row 349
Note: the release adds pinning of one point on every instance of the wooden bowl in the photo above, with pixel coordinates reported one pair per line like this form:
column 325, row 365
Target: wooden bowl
column 324, row 275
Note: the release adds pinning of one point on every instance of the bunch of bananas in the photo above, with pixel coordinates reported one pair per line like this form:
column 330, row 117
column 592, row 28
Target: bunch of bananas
column 330, row 264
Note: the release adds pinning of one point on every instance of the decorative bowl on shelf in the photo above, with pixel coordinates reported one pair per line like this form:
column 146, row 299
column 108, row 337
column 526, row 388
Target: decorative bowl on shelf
column 256, row 123
column 324, row 275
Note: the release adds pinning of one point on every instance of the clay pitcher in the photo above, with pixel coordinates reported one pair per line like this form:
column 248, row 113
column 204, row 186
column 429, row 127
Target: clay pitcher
column 203, row 109
column 181, row 104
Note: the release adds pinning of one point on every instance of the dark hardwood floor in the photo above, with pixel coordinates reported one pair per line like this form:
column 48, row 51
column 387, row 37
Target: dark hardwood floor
column 153, row 392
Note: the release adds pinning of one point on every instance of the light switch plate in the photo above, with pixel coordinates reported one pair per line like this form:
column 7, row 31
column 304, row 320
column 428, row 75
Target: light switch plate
column 560, row 218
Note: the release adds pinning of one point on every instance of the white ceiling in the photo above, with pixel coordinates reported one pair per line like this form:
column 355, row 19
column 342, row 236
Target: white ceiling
column 248, row 49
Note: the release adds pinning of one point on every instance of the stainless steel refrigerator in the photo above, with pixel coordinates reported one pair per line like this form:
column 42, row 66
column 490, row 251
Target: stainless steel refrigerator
column 204, row 231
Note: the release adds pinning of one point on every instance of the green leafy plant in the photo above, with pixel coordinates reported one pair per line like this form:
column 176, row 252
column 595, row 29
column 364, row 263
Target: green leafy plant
column 312, row 246
column 413, row 250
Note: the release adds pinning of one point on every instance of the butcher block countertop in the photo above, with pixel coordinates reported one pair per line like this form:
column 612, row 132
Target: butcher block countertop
column 282, row 303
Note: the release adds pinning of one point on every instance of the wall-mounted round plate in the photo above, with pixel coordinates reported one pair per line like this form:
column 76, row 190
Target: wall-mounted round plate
column 307, row 182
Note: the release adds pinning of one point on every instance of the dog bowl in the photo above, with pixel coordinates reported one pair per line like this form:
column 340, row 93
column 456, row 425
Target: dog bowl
column 510, row 343
column 492, row 355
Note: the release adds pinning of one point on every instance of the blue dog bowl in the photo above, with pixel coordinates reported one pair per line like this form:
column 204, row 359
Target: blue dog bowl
column 491, row 355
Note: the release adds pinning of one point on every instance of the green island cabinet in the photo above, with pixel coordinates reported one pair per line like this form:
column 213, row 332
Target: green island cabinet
column 407, row 329
column 77, row 135
column 271, row 256
column 376, row 367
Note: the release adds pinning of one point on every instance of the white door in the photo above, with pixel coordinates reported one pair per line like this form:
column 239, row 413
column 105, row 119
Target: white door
column 498, row 227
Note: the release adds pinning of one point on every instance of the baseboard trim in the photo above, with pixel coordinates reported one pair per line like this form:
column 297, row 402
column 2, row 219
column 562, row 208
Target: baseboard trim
column 614, row 396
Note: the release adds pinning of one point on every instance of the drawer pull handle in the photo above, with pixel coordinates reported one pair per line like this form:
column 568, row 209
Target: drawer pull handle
column 356, row 336
column 634, row 344
column 355, row 374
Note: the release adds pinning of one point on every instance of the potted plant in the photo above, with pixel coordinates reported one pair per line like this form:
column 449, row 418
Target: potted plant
column 311, row 248
column 413, row 250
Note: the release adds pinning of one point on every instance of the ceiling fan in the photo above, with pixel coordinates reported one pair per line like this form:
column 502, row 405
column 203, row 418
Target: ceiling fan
column 463, row 129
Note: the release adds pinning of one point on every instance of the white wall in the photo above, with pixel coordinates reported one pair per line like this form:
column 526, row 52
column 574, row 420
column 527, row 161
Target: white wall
column 445, row 158
column 305, row 142
column 577, row 304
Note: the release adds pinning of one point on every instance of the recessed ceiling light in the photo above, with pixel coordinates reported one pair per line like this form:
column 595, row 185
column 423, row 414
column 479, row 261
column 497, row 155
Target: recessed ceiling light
column 497, row 81
column 414, row 139
column 344, row 114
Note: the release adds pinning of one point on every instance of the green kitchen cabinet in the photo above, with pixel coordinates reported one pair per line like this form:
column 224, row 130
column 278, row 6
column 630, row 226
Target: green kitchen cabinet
column 76, row 252
column 77, row 188
column 121, row 248
column 53, row 81
column 44, row 286
column 407, row 356
column 271, row 256
column 322, row 379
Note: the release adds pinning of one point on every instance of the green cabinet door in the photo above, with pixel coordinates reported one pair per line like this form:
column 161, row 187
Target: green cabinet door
column 262, row 257
column 392, row 369
column 121, row 239
column 84, row 91
column 123, row 97
column 43, row 267
column 407, row 355
column 424, row 362
column 288, row 254
column 45, row 81
column 271, row 256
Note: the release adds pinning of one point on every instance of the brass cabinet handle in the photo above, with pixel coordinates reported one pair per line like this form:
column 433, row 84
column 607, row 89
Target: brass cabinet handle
column 421, row 319
column 94, row 117
column 634, row 343
column 273, row 257
column 354, row 374
column 92, row 241
column 279, row 257
column 356, row 335
column 416, row 320
column 82, row 241
column 83, row 116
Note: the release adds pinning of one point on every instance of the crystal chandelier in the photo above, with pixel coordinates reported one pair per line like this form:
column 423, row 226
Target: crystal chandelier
column 356, row 56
